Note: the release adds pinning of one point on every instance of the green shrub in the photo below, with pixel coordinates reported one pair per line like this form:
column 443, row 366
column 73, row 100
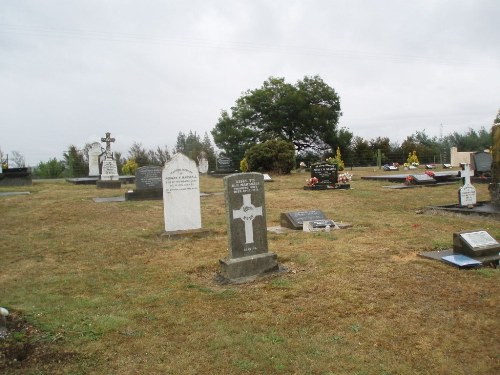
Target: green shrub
column 130, row 167
column 276, row 156
column 337, row 160
column 244, row 165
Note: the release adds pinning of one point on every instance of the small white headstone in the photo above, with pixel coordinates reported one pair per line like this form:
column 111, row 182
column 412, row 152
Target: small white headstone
column 202, row 162
column 181, row 194
column 467, row 193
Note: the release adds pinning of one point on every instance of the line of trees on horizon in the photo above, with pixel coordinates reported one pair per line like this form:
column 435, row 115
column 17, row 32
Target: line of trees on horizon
column 359, row 152
column 304, row 115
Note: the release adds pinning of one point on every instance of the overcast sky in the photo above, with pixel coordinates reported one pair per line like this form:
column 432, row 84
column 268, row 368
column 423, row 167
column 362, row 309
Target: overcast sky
column 71, row 70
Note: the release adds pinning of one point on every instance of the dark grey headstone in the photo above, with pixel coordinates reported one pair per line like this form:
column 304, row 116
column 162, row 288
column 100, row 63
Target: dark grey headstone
column 475, row 244
column 148, row 177
column 224, row 165
column 482, row 162
column 246, row 214
column 326, row 173
column 295, row 220
column 247, row 234
column 16, row 177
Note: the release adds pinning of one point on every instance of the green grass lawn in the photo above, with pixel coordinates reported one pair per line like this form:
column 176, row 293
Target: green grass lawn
column 96, row 291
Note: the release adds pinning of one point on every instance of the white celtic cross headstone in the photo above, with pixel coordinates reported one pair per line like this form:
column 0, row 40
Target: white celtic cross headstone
column 467, row 193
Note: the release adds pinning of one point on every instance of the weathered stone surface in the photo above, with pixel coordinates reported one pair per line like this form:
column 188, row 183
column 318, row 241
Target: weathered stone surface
column 247, row 234
column 246, row 214
column 475, row 244
column 249, row 266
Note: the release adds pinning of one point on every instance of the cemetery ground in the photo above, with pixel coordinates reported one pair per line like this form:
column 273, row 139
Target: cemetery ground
column 92, row 289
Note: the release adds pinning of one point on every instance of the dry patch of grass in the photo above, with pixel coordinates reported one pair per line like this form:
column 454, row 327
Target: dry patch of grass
column 96, row 282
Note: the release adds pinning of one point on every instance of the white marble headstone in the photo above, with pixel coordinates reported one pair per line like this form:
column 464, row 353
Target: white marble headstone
column 181, row 194
column 467, row 193
column 94, row 153
column 202, row 164
column 109, row 170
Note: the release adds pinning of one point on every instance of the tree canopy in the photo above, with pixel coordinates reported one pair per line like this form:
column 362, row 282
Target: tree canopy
column 305, row 114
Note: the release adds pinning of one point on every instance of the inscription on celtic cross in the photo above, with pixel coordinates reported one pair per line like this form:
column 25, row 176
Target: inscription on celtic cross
column 247, row 213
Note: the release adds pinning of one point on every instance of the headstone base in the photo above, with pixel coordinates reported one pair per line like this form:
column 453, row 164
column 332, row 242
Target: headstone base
column 108, row 184
column 328, row 187
column 245, row 267
column 482, row 208
column 192, row 233
column 144, row 194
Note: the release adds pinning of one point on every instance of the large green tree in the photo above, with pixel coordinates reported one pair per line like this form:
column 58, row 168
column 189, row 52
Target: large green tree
column 305, row 114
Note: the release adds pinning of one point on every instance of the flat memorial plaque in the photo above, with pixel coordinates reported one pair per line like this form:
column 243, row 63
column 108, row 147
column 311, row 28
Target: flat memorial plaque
column 295, row 220
column 475, row 244
column 479, row 239
column 421, row 179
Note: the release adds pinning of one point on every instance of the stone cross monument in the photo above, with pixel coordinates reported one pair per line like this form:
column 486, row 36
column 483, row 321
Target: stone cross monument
column 109, row 170
column 108, row 141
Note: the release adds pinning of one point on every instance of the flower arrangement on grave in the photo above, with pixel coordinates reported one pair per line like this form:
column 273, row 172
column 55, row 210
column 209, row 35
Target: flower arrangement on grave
column 344, row 178
column 409, row 180
column 337, row 160
column 430, row 174
column 312, row 181
column 412, row 160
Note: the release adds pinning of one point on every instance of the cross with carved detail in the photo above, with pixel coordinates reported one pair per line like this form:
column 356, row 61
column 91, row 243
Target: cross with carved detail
column 108, row 141
column 247, row 213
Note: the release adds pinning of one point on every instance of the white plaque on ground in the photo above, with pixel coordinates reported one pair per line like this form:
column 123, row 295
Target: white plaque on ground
column 479, row 239
column 181, row 194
